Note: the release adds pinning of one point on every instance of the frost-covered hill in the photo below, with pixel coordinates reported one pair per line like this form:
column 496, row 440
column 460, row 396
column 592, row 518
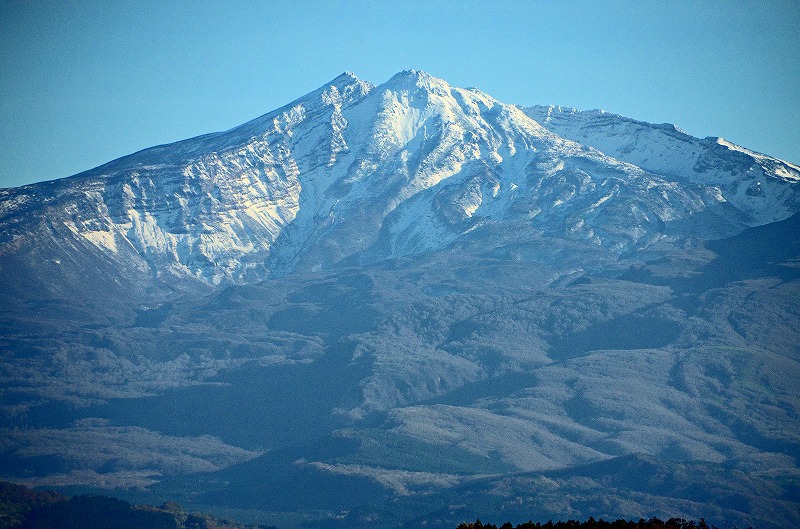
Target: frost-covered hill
column 379, row 301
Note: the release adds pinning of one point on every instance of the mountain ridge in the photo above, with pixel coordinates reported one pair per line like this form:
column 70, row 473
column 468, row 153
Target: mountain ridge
column 264, row 197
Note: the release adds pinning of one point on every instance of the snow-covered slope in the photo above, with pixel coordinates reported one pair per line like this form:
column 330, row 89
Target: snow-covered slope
column 353, row 171
column 752, row 182
column 209, row 207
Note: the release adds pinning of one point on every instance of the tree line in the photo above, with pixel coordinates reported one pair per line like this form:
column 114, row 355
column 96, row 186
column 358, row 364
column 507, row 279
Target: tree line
column 591, row 523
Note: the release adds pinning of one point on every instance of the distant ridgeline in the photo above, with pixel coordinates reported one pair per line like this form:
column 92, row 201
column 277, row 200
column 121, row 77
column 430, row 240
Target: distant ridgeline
column 23, row 508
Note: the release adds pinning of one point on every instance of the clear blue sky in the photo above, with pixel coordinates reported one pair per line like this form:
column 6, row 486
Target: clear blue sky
column 85, row 82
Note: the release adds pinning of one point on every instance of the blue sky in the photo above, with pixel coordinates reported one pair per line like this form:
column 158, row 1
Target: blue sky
column 85, row 82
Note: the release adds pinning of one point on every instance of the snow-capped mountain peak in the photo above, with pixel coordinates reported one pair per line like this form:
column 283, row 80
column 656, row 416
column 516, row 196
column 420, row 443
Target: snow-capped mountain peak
column 354, row 171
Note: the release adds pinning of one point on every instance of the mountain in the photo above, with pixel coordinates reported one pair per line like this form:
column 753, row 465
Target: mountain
column 357, row 173
column 374, row 301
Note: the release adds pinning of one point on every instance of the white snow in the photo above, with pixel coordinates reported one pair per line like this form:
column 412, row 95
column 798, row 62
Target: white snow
column 415, row 161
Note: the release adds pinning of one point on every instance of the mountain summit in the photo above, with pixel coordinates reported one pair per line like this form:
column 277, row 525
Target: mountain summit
column 354, row 172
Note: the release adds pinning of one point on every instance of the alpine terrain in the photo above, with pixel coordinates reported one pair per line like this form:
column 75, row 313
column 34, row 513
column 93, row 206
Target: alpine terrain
column 411, row 304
